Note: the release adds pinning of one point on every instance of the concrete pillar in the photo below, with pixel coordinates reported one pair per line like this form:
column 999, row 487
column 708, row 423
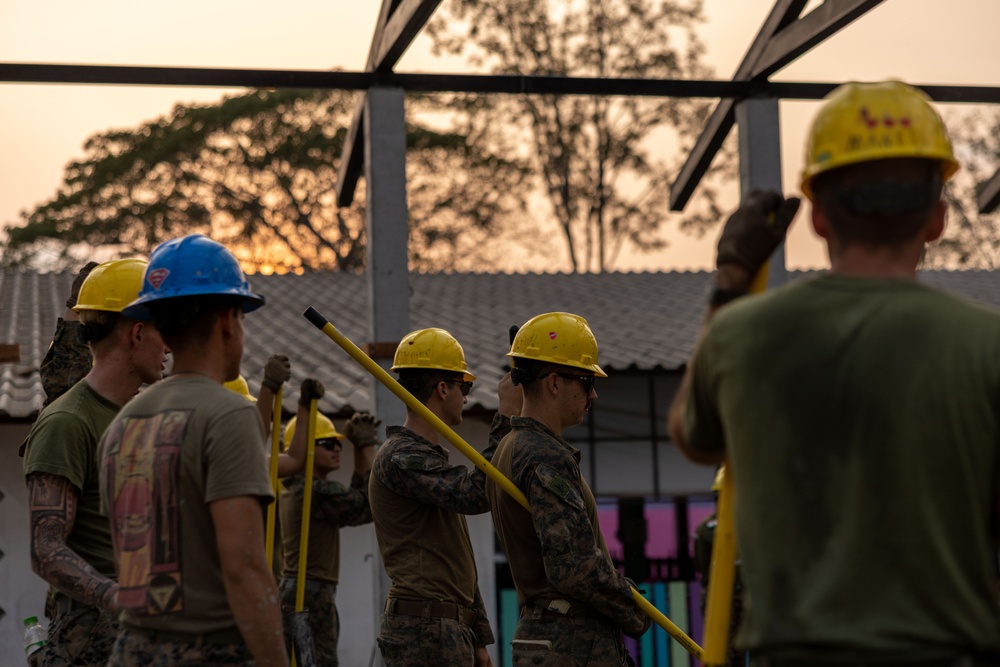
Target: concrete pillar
column 760, row 162
column 387, row 260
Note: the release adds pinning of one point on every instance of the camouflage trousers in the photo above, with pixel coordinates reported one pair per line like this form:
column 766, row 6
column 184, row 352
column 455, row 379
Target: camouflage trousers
column 554, row 640
column 413, row 641
column 320, row 602
column 84, row 636
column 137, row 649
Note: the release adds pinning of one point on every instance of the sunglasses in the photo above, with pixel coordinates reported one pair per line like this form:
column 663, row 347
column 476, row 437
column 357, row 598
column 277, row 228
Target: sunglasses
column 330, row 443
column 588, row 381
column 465, row 387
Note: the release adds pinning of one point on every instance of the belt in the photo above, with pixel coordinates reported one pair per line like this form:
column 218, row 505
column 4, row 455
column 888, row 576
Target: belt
column 559, row 607
column 227, row 636
column 311, row 586
column 430, row 609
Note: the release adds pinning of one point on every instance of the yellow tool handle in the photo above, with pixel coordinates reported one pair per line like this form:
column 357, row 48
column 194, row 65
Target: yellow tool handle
column 275, row 451
column 498, row 477
column 300, row 589
column 722, row 569
column 413, row 404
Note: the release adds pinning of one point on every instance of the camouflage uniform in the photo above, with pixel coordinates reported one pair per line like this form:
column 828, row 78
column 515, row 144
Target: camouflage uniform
column 136, row 648
column 80, row 636
column 435, row 614
column 66, row 362
column 576, row 604
column 333, row 506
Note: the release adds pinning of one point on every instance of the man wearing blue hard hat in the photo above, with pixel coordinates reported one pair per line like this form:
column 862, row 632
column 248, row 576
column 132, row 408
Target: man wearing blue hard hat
column 184, row 478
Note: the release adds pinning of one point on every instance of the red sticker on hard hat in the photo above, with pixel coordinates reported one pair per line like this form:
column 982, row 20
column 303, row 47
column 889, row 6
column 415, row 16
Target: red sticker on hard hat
column 552, row 335
column 157, row 276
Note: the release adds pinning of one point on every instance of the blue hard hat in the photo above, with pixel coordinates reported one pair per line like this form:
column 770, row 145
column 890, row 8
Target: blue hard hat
column 192, row 265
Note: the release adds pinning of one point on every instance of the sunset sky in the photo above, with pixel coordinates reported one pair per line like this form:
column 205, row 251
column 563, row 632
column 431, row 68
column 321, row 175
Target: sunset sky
column 920, row 41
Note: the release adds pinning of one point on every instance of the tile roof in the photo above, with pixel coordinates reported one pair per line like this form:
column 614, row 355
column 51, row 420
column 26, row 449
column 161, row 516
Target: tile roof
column 643, row 321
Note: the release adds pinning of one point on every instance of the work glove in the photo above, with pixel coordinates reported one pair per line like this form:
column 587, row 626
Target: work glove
column 310, row 389
column 277, row 372
column 361, row 429
column 74, row 291
column 752, row 233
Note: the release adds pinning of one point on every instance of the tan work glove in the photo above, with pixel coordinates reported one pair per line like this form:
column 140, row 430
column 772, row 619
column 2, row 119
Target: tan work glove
column 310, row 389
column 277, row 371
column 361, row 430
column 74, row 290
column 755, row 230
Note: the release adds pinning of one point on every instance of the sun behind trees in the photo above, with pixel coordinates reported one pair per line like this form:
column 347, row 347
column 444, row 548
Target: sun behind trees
column 257, row 173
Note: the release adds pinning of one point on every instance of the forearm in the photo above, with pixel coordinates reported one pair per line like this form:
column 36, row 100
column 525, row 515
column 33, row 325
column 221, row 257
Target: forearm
column 294, row 459
column 481, row 626
column 68, row 573
column 265, row 407
column 251, row 594
column 594, row 580
column 364, row 459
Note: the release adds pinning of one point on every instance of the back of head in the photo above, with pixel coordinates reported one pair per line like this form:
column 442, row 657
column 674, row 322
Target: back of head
column 877, row 157
column 107, row 290
column 425, row 357
column 553, row 340
column 187, row 281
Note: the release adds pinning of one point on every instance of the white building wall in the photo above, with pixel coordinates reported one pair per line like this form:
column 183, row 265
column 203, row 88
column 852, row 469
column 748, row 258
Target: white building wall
column 22, row 593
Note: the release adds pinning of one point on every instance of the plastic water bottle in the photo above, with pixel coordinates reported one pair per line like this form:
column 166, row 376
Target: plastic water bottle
column 35, row 636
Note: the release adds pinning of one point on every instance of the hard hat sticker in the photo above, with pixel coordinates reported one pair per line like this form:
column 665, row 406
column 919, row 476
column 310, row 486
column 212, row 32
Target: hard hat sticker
column 157, row 276
column 552, row 335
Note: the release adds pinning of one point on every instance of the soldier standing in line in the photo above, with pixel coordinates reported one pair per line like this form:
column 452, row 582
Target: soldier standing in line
column 333, row 506
column 184, row 478
column 434, row 615
column 575, row 602
column 70, row 540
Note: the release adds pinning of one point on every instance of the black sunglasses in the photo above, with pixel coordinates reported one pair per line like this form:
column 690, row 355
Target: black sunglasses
column 588, row 381
column 465, row 387
column 330, row 443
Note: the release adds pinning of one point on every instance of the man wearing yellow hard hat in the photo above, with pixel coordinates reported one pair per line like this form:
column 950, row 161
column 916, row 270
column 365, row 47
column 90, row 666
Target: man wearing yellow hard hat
column 333, row 505
column 858, row 410
column 434, row 615
column 575, row 602
column 71, row 546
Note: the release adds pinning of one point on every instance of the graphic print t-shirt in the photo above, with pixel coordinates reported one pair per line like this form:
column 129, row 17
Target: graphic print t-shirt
column 173, row 450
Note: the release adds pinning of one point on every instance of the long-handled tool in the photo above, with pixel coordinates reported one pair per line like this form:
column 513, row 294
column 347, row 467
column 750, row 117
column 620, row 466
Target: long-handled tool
column 275, row 451
column 304, row 654
column 722, row 569
column 477, row 459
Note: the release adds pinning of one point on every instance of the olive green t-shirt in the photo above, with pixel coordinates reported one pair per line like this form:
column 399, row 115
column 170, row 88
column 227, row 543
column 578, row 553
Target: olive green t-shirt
column 174, row 449
column 63, row 441
column 862, row 422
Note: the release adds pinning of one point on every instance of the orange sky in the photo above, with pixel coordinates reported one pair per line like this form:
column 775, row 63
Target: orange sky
column 44, row 126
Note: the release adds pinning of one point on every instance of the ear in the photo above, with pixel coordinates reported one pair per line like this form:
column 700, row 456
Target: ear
column 135, row 333
column 227, row 320
column 819, row 222
column 939, row 217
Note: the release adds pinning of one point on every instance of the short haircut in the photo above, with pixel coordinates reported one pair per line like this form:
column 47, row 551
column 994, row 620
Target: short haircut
column 879, row 203
column 421, row 383
column 188, row 320
column 97, row 325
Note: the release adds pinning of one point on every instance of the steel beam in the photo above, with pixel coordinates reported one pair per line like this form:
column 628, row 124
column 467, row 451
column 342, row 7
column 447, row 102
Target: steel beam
column 781, row 39
column 988, row 197
column 721, row 120
column 398, row 23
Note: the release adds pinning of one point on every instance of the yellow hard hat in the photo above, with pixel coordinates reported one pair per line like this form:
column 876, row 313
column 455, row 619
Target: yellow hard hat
column 239, row 385
column 324, row 429
column 558, row 338
column 719, row 476
column 427, row 349
column 862, row 122
column 111, row 286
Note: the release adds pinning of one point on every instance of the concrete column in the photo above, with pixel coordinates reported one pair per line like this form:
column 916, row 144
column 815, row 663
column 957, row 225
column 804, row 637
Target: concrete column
column 386, row 266
column 760, row 162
